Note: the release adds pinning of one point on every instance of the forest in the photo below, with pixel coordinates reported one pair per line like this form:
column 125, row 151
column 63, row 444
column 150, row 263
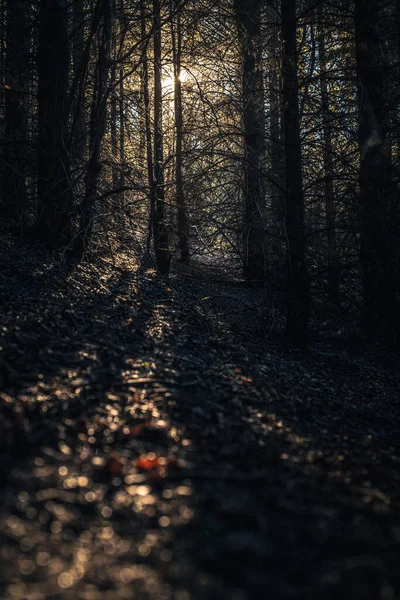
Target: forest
column 199, row 299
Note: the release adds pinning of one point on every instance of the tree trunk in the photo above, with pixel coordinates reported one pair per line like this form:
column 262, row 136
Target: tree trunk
column 183, row 230
column 333, row 286
column 276, row 144
column 78, row 147
column 377, row 250
column 54, row 191
column 298, row 302
column 99, row 120
column 16, row 84
column 147, row 124
column 160, row 234
column 248, row 18
column 122, row 131
column 114, row 103
column 121, row 104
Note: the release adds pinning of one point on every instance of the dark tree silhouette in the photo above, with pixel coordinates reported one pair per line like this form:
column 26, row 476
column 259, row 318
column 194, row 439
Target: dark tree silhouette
column 248, row 18
column 54, row 183
column 377, row 250
column 160, row 233
column 298, row 286
column 17, row 76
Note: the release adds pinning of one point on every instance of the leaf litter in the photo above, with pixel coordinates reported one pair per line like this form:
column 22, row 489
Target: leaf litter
column 150, row 451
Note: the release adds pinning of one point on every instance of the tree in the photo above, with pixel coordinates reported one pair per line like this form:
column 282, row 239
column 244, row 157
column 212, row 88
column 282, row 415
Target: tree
column 333, row 286
column 377, row 251
column 160, row 233
column 78, row 146
column 248, row 19
column 176, row 35
column 54, row 185
column 276, row 150
column 17, row 78
column 147, row 122
column 298, row 283
column 98, row 122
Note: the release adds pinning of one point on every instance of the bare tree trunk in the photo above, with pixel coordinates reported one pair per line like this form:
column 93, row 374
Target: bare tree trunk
column 176, row 35
column 54, row 191
column 78, row 147
column 117, row 125
column 122, row 128
column 248, row 18
column 377, row 249
column 276, row 143
column 121, row 113
column 148, row 131
column 298, row 303
column 99, row 120
column 160, row 234
column 3, row 35
column 114, row 103
column 333, row 286
column 16, row 86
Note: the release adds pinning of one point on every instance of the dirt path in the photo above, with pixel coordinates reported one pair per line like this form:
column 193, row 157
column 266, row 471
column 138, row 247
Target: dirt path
column 156, row 445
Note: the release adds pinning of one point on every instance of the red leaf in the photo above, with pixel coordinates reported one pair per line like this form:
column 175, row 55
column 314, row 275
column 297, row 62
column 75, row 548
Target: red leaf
column 149, row 462
column 146, row 463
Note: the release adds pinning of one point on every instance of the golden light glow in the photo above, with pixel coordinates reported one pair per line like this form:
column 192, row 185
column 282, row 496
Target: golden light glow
column 168, row 82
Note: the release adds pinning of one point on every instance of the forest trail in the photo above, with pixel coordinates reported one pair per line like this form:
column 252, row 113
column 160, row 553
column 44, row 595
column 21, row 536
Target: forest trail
column 157, row 444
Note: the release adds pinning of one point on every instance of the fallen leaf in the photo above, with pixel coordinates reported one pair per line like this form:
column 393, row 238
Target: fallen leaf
column 145, row 463
column 149, row 462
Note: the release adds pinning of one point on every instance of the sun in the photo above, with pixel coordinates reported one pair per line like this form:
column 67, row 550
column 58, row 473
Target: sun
column 169, row 81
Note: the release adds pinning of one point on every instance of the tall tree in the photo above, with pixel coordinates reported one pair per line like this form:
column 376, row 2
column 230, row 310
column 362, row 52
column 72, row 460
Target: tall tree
column 377, row 250
column 147, row 122
column 160, row 233
column 276, row 137
column 54, row 186
column 114, row 104
column 176, row 34
column 327, row 132
column 98, row 128
column 121, row 100
column 298, row 302
column 78, row 103
column 121, row 107
column 117, row 124
column 16, row 85
column 248, row 19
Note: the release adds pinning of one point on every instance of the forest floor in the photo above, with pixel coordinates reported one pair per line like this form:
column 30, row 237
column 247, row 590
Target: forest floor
column 157, row 443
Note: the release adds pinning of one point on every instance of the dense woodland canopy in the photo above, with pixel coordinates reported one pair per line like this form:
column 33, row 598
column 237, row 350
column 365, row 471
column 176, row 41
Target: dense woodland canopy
column 263, row 135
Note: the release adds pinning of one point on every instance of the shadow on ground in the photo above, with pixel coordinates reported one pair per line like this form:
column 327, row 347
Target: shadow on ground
column 157, row 446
